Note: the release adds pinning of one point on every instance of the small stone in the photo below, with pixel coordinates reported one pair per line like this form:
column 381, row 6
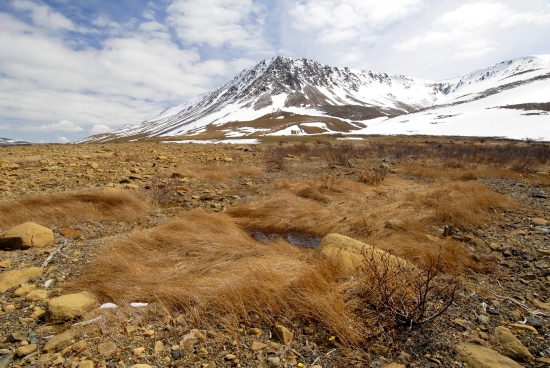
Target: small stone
column 541, row 264
column 274, row 362
column 79, row 346
column 8, row 308
column 26, row 350
column 535, row 322
column 494, row 246
column 540, row 221
column 482, row 319
column 477, row 356
column 139, row 351
column 283, row 334
column 194, row 337
column 230, row 357
column 17, row 336
column 378, row 349
column 131, row 329
column 140, row 366
column 86, row 364
column 6, row 360
column 159, row 346
column 24, row 290
column 177, row 354
column 521, row 327
column 256, row 331
column 37, row 296
column 5, row 263
column 257, row 346
column 148, row 333
column 309, row 330
column 403, row 357
column 107, row 348
column 38, row 312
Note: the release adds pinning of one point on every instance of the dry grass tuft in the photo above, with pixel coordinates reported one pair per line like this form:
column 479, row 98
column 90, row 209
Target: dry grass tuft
column 465, row 205
column 215, row 274
column 216, row 172
column 67, row 208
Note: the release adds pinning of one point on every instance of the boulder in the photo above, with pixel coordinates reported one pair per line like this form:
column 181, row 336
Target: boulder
column 347, row 254
column 67, row 307
column 477, row 356
column 511, row 346
column 25, row 236
column 14, row 278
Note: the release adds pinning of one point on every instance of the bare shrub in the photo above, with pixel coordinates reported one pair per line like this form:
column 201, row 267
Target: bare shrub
column 338, row 155
column 276, row 159
column 71, row 207
column 405, row 296
column 373, row 176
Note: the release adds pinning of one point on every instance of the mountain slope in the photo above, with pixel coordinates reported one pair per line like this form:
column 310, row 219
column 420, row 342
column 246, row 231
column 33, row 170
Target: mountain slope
column 282, row 95
column 12, row 142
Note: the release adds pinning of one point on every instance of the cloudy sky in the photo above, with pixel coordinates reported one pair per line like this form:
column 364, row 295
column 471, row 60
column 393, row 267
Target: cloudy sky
column 72, row 68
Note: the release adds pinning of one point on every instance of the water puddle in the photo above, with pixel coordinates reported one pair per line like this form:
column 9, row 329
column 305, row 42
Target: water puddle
column 299, row 239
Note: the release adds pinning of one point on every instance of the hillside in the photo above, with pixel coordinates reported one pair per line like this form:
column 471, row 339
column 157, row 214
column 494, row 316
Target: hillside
column 287, row 96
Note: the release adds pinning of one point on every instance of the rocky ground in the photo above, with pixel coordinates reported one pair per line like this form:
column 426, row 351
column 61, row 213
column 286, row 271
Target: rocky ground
column 501, row 317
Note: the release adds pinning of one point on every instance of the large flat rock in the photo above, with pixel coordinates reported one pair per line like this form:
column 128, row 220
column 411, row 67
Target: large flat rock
column 477, row 356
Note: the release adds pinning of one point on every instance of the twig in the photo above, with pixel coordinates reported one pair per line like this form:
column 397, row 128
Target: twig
column 89, row 322
column 57, row 250
column 522, row 305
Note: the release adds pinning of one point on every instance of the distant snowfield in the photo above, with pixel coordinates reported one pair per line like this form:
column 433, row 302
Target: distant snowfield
column 477, row 118
column 214, row 141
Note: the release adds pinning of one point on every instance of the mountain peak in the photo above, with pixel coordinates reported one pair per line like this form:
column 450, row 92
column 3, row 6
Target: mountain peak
column 322, row 98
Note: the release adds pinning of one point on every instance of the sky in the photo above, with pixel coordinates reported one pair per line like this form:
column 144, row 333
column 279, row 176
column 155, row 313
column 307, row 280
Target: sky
column 73, row 68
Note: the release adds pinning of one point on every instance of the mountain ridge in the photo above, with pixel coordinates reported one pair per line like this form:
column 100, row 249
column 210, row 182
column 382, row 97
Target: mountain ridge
column 316, row 93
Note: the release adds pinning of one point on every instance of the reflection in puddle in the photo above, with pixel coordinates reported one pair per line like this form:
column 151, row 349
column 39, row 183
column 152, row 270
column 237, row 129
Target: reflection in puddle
column 304, row 240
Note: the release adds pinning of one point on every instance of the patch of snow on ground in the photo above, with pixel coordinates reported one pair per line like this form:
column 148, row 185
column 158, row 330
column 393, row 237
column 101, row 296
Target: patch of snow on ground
column 214, row 141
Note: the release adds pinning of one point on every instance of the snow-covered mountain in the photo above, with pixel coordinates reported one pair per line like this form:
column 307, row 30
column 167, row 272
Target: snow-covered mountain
column 284, row 96
column 12, row 142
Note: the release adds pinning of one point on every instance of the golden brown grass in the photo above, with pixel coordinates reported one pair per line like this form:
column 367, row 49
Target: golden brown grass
column 216, row 172
column 452, row 171
column 72, row 207
column 465, row 205
column 214, row 273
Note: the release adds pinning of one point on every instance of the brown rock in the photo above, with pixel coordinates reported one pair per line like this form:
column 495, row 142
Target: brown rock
column 106, row 349
column 257, row 346
column 24, row 290
column 9, row 279
column 37, row 296
column 283, row 334
column 25, row 236
column 70, row 233
column 511, row 346
column 395, row 365
column 539, row 221
column 67, row 307
column 520, row 327
column 26, row 350
column 61, row 340
column 346, row 254
column 540, row 305
column 5, row 263
column 477, row 356
column 140, row 366
column 86, row 364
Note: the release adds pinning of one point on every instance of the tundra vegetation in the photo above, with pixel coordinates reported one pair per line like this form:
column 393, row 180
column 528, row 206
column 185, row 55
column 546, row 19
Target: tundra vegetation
column 424, row 251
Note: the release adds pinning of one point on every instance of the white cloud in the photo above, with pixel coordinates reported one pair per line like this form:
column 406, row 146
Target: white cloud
column 99, row 128
column 471, row 30
column 44, row 16
column 343, row 20
column 63, row 140
column 236, row 23
column 62, row 126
